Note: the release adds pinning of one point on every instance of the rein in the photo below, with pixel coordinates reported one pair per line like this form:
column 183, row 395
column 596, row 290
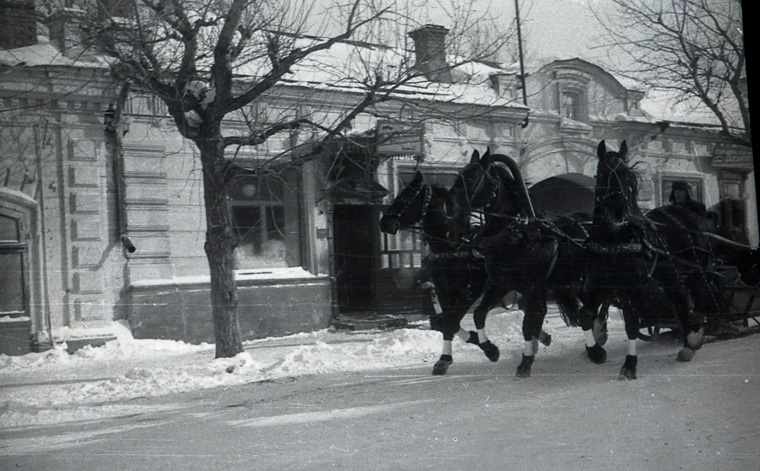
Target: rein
column 704, row 233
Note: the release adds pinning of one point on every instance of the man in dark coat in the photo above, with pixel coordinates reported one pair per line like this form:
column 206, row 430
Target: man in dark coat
column 680, row 195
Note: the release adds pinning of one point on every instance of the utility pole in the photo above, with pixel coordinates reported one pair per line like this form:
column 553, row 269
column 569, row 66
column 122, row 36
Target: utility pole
column 522, row 61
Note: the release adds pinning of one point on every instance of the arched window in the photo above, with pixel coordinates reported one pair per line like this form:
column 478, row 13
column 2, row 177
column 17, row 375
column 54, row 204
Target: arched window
column 573, row 104
column 570, row 105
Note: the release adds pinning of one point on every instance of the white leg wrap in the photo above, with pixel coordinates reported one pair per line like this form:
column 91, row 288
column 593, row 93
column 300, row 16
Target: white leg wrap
column 589, row 336
column 482, row 337
column 447, row 347
column 632, row 347
column 463, row 334
column 528, row 348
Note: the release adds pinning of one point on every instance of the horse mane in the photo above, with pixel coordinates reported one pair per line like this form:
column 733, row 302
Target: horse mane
column 512, row 186
column 632, row 187
column 437, row 223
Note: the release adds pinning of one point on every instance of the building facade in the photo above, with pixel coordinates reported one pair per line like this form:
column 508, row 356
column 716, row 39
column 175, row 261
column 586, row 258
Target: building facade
column 102, row 223
column 576, row 104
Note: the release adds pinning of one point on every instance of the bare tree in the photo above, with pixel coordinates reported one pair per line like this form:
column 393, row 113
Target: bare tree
column 212, row 62
column 694, row 48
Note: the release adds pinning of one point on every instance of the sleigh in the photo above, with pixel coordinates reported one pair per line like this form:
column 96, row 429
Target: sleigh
column 740, row 306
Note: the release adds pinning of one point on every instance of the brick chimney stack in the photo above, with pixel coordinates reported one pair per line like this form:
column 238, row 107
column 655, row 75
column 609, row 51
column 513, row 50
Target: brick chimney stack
column 430, row 52
column 64, row 26
column 18, row 24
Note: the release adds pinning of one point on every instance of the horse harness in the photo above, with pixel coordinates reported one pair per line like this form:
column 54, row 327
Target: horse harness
column 427, row 197
column 494, row 191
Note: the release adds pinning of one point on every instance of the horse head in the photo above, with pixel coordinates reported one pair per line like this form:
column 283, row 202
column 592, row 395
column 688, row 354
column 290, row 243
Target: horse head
column 473, row 189
column 409, row 207
column 616, row 186
column 484, row 185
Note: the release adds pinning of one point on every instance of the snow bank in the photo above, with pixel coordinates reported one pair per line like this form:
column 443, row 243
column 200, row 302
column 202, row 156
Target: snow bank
column 55, row 387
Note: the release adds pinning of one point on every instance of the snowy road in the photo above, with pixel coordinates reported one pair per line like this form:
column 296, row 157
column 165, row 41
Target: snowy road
column 569, row 415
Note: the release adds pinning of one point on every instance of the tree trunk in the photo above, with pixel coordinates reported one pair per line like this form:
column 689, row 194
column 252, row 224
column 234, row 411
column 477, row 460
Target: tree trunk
column 219, row 248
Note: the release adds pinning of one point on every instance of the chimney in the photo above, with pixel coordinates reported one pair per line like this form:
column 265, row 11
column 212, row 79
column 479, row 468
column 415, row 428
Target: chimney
column 65, row 31
column 504, row 84
column 430, row 52
column 18, row 24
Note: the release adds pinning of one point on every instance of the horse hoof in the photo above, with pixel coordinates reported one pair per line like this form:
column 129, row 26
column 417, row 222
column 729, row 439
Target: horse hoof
column 523, row 369
column 626, row 374
column 686, row 354
column 545, row 338
column 628, row 371
column 491, row 350
column 597, row 354
column 442, row 365
column 473, row 338
column 695, row 340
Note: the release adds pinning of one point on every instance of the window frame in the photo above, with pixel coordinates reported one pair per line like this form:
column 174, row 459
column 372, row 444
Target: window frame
column 697, row 187
column 20, row 247
column 279, row 192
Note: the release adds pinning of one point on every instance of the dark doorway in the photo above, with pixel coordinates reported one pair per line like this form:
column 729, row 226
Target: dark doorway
column 355, row 245
column 15, row 324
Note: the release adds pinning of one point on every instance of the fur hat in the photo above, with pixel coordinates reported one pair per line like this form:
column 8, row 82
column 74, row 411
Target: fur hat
column 680, row 185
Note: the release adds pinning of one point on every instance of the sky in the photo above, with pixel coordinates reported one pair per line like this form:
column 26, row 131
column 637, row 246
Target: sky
column 551, row 29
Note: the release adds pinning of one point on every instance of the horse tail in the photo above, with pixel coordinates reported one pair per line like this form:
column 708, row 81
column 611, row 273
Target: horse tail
column 570, row 308
column 517, row 174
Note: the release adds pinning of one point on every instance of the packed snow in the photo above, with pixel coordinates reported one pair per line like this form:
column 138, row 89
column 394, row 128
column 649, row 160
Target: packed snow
column 96, row 382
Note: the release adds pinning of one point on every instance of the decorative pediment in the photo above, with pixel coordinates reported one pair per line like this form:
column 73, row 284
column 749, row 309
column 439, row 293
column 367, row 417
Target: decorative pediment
column 734, row 158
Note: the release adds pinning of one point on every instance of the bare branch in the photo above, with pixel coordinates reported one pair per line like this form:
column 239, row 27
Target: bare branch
column 281, row 67
column 694, row 47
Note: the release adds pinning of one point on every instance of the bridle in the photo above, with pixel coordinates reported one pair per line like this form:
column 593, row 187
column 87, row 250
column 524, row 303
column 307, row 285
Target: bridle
column 602, row 200
column 426, row 198
column 486, row 177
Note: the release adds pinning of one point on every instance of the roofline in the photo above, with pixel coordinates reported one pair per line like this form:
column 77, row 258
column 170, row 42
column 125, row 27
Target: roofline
column 576, row 61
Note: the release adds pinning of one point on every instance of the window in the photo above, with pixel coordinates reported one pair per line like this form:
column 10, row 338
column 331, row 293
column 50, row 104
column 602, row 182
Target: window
column 265, row 218
column 573, row 104
column 13, row 301
column 570, row 105
column 730, row 189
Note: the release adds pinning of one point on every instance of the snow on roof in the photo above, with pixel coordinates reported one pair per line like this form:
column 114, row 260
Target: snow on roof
column 665, row 105
column 45, row 53
column 347, row 66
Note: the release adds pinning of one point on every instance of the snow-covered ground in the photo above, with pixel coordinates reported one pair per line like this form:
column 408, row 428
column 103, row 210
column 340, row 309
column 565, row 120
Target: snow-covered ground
column 57, row 387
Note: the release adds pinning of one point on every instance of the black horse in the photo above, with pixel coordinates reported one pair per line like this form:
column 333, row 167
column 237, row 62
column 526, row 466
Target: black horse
column 524, row 253
column 457, row 276
column 646, row 262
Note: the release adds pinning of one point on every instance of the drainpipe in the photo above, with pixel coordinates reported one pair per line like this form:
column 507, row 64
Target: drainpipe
column 114, row 132
column 40, row 137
